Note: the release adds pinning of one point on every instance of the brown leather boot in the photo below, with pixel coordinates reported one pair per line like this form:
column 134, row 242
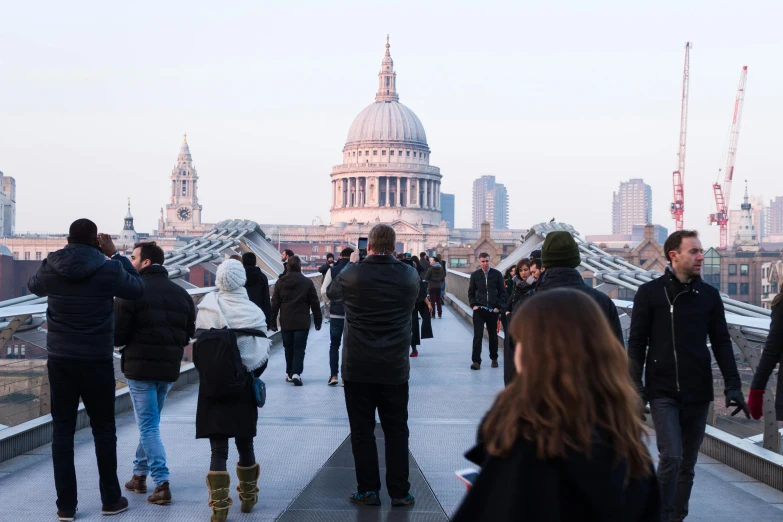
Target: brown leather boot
column 218, row 483
column 138, row 484
column 161, row 496
column 248, row 486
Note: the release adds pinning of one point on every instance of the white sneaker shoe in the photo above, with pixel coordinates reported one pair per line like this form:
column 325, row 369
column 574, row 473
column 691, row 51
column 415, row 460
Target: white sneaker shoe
column 296, row 379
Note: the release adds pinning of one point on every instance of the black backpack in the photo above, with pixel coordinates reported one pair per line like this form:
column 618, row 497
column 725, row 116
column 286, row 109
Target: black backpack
column 216, row 357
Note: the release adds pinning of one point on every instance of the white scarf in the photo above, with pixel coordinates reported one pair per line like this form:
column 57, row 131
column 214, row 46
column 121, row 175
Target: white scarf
column 234, row 310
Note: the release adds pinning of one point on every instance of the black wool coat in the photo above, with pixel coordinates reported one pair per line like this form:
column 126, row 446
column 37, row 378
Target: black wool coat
column 231, row 416
column 524, row 488
column 770, row 357
column 670, row 324
column 257, row 287
column 294, row 298
column 154, row 329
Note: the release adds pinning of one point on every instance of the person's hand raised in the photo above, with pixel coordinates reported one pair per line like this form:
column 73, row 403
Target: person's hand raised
column 355, row 257
column 106, row 245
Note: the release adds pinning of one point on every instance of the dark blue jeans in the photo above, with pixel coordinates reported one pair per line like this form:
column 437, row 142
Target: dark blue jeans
column 679, row 430
column 336, row 327
column 294, row 343
column 94, row 383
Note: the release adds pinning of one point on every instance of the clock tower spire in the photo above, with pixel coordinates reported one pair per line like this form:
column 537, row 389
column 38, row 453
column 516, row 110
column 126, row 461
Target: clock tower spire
column 183, row 212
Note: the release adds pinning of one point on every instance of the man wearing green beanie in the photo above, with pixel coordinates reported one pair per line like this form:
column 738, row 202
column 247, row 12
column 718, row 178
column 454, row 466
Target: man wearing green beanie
column 559, row 257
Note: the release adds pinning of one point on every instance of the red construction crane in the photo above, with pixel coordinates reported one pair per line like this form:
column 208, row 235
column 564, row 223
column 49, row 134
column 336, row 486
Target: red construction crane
column 723, row 194
column 678, row 176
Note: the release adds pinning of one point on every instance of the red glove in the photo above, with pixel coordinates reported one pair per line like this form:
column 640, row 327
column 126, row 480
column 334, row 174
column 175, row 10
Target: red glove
column 498, row 325
column 755, row 402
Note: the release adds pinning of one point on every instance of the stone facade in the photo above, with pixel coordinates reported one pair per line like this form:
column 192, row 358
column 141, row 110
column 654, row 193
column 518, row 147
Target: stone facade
column 7, row 205
column 464, row 258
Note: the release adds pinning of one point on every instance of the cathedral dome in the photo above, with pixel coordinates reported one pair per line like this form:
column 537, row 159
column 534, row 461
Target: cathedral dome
column 387, row 121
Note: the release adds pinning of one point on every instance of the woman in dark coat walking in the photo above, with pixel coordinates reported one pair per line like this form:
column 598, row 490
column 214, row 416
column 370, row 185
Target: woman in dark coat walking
column 234, row 416
column 424, row 308
column 770, row 357
column 549, row 450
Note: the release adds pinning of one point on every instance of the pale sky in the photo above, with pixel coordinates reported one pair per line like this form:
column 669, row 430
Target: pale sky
column 561, row 101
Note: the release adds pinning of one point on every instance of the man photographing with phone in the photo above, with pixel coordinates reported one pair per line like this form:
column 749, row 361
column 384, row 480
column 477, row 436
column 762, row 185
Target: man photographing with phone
column 81, row 284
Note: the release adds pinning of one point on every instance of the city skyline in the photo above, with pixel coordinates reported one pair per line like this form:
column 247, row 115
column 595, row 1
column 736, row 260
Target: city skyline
column 263, row 108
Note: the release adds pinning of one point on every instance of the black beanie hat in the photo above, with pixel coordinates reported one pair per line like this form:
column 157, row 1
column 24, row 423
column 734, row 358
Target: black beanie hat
column 560, row 249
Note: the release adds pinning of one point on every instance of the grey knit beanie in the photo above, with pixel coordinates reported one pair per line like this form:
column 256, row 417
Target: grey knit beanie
column 230, row 275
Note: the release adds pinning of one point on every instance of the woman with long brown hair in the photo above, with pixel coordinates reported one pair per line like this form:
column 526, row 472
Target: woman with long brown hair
column 564, row 440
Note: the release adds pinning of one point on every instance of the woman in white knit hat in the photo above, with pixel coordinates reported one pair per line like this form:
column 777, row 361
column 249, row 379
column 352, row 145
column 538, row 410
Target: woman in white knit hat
column 218, row 420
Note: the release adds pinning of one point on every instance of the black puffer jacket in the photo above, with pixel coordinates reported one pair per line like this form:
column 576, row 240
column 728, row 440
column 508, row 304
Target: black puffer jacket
column 487, row 290
column 435, row 276
column 295, row 296
column 679, row 367
column 257, row 287
column 379, row 294
column 81, row 285
column 154, row 329
column 770, row 357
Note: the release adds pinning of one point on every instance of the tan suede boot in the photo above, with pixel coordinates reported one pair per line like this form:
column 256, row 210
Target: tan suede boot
column 218, row 483
column 248, row 486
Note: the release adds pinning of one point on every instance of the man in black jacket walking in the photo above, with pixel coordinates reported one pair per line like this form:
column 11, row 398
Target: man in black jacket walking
column 378, row 294
column 257, row 286
column 336, row 314
column 81, row 285
column 672, row 318
column 295, row 297
column 559, row 258
column 487, row 295
column 153, row 331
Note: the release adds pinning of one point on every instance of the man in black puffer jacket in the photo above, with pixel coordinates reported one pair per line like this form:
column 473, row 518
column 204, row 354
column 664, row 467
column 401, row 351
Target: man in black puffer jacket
column 560, row 257
column 378, row 295
column 257, row 286
column 81, row 285
column 154, row 331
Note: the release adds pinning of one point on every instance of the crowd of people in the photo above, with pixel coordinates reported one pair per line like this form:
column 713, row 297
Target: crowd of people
column 563, row 441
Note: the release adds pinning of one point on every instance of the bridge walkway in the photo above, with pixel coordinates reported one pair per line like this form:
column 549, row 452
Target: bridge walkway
column 304, row 451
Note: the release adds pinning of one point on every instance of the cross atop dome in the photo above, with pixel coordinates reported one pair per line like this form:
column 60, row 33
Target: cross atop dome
column 387, row 78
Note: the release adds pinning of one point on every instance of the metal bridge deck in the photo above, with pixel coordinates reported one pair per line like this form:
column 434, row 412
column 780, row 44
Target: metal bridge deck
column 306, row 461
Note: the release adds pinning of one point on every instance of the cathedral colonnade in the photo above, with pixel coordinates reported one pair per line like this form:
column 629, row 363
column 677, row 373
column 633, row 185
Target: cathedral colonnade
column 385, row 191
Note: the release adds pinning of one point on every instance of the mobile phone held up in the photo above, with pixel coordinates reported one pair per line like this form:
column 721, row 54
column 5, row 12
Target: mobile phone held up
column 362, row 246
column 468, row 475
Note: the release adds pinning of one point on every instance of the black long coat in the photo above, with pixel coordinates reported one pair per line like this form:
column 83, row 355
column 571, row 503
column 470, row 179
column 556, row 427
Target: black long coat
column 294, row 298
column 770, row 357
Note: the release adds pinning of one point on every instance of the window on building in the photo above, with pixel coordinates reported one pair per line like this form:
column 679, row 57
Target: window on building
column 206, row 278
column 184, row 188
column 391, row 153
column 414, row 154
column 458, row 262
column 16, row 255
column 366, row 152
column 375, row 153
column 383, row 153
column 407, row 153
column 589, row 281
column 732, row 269
column 360, row 153
column 27, row 256
column 399, row 153
column 22, row 350
column 744, row 288
column 732, row 288
column 354, row 153
column 23, row 291
column 744, row 270
column 711, row 270
column 37, row 256
column 315, row 249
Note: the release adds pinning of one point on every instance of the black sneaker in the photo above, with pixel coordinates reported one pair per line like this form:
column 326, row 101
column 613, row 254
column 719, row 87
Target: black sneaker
column 114, row 509
column 369, row 498
column 405, row 501
column 66, row 515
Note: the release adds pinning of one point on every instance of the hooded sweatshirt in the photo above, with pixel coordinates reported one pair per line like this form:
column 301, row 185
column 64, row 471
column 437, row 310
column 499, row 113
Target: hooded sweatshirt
column 435, row 276
column 81, row 285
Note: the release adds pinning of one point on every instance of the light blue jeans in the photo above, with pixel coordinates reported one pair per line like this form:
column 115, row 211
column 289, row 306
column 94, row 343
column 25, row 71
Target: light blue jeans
column 148, row 398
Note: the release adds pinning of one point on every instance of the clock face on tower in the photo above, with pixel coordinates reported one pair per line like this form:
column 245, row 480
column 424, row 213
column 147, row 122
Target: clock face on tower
column 183, row 213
